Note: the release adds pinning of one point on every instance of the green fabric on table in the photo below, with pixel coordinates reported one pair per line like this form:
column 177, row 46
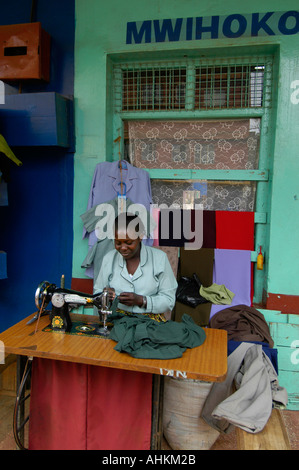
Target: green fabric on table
column 142, row 337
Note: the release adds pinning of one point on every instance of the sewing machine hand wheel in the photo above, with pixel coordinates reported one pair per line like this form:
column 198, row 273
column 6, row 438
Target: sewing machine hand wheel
column 41, row 295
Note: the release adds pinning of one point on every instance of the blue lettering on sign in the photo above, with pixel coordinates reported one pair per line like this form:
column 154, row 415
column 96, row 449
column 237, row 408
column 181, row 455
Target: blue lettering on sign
column 227, row 28
column 166, row 27
column 145, row 30
column 258, row 23
column 213, row 27
column 284, row 28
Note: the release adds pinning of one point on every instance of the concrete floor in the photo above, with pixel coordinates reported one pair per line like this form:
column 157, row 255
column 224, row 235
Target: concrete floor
column 224, row 442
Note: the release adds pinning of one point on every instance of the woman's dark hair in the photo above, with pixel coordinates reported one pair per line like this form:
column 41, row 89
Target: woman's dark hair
column 126, row 220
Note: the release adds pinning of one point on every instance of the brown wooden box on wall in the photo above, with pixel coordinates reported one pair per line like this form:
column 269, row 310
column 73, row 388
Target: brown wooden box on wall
column 24, row 52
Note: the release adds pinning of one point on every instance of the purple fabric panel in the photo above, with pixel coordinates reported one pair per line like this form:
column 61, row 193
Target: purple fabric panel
column 233, row 269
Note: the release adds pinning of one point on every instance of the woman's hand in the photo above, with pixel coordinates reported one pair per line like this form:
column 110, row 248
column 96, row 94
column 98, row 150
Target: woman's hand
column 129, row 298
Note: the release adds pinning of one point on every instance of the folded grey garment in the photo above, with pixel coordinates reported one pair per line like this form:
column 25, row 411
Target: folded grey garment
column 250, row 406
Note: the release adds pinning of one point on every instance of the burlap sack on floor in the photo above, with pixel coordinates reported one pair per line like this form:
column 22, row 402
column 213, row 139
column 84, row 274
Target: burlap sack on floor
column 183, row 427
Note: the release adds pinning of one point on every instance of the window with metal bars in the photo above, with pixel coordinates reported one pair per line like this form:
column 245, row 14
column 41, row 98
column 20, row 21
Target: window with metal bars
column 229, row 86
column 197, row 126
column 153, row 89
column 193, row 86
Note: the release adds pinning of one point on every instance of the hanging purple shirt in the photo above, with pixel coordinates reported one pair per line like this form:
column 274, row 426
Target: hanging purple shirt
column 106, row 185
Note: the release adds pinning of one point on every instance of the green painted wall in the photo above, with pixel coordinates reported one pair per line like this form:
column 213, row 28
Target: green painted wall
column 101, row 37
column 283, row 261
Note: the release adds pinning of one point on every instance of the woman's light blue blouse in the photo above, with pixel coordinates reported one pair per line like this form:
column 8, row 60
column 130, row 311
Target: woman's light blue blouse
column 153, row 278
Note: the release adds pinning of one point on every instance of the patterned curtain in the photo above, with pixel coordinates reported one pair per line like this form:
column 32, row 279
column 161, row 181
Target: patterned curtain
column 205, row 144
column 213, row 195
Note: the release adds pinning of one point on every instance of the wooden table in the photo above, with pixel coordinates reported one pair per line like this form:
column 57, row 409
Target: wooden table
column 207, row 362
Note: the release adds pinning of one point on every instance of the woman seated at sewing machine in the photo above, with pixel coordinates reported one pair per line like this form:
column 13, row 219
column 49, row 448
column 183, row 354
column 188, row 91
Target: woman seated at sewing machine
column 141, row 276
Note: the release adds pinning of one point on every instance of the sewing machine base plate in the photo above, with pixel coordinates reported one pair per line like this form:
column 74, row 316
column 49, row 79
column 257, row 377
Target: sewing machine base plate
column 81, row 328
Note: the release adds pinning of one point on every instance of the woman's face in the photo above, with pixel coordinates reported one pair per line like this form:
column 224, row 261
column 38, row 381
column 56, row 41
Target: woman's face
column 127, row 247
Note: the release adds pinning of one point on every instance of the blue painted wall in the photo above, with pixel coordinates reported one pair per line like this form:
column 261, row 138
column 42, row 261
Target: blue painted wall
column 36, row 228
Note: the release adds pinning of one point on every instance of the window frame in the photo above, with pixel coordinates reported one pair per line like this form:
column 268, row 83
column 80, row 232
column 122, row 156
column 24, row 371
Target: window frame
column 261, row 175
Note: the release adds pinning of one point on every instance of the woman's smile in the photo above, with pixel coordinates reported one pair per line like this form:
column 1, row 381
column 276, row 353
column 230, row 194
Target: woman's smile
column 126, row 246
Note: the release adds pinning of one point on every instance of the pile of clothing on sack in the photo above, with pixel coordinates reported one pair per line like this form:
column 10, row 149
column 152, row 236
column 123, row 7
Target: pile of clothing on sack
column 251, row 389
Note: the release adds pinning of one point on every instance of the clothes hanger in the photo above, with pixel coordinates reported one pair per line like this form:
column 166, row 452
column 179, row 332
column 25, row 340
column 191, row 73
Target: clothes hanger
column 122, row 164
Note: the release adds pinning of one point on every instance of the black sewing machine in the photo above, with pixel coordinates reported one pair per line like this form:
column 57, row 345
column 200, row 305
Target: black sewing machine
column 63, row 300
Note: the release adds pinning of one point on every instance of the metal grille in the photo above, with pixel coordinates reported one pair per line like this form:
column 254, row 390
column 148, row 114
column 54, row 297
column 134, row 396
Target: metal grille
column 153, row 89
column 237, row 86
column 193, row 85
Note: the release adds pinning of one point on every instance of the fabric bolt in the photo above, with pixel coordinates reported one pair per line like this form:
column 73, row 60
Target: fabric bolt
column 233, row 269
column 235, row 230
column 209, row 229
column 243, row 323
column 142, row 337
column 199, row 261
column 207, row 224
column 217, row 294
column 257, row 391
column 180, row 227
column 82, row 407
column 153, row 278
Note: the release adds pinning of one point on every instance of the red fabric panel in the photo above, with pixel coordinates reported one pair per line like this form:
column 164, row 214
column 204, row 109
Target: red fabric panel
column 57, row 405
column 119, row 409
column 78, row 407
column 235, row 230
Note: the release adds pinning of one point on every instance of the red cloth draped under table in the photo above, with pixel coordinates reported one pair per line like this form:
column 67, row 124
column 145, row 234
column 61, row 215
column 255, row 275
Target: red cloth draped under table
column 83, row 407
